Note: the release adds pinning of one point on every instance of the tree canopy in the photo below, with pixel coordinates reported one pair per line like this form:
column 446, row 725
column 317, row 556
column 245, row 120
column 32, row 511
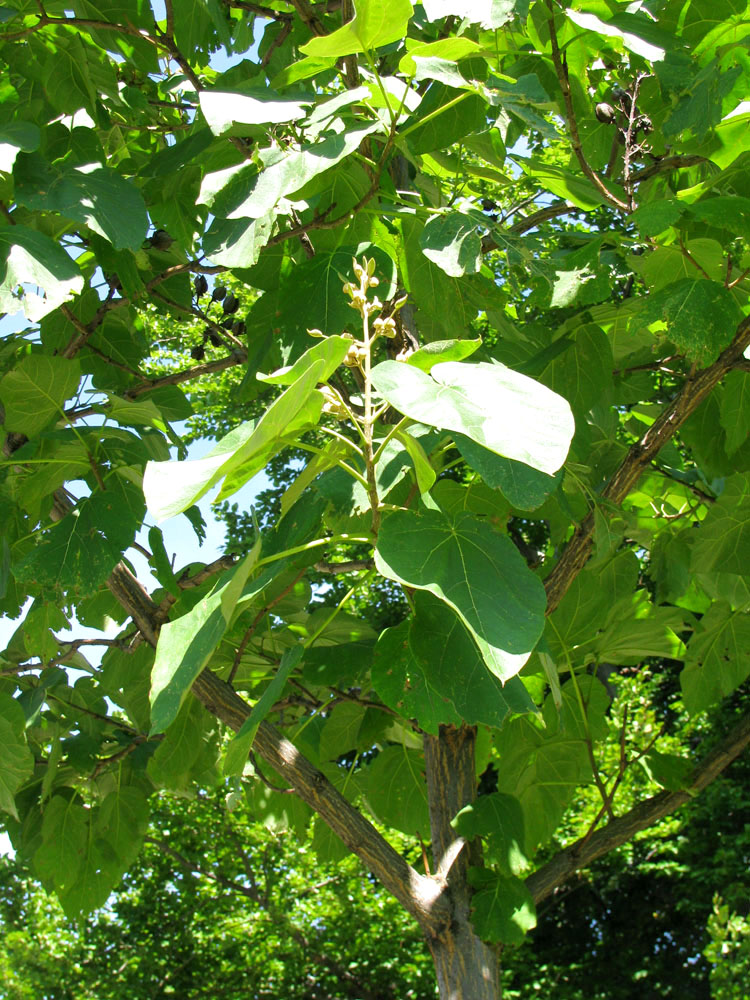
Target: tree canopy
column 471, row 281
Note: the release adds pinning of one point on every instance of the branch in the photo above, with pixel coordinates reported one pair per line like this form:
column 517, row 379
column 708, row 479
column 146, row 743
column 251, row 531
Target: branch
column 423, row 897
column 187, row 374
column 695, row 389
column 575, row 140
column 643, row 815
column 667, row 163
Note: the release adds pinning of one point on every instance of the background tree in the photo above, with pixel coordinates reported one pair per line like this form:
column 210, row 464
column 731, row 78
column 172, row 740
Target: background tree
column 525, row 446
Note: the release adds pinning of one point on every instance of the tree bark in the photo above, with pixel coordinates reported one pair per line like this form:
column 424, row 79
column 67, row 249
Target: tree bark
column 466, row 968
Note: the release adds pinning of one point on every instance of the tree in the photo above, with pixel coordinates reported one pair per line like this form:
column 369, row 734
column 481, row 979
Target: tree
column 519, row 534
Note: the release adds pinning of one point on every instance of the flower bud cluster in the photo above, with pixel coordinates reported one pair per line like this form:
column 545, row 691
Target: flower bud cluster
column 365, row 274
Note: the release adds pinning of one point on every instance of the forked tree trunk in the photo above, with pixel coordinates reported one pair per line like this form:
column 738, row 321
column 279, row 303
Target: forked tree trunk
column 467, row 969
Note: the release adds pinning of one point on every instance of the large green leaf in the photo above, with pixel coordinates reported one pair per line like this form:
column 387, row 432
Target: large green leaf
column 374, row 24
column 718, row 657
column 524, row 487
column 723, row 539
column 501, row 907
column 16, row 759
column 429, row 355
column 396, row 791
column 16, row 137
column 172, row 487
column 476, row 571
column 222, row 109
column 27, row 256
column 452, row 242
column 241, row 192
column 735, row 410
column 430, row 668
column 34, row 392
column 187, row 644
column 701, row 317
column 498, row 818
column 77, row 555
column 502, row 410
column 92, row 194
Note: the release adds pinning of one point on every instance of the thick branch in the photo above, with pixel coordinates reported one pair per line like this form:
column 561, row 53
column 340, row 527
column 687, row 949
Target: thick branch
column 556, row 871
column 640, row 455
column 421, row 896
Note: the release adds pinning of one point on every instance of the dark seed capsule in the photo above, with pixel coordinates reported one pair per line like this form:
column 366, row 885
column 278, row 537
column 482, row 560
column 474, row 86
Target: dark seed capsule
column 238, row 328
column 161, row 240
column 231, row 304
column 218, row 293
column 198, row 352
column 200, row 284
column 227, row 324
column 605, row 113
column 215, row 339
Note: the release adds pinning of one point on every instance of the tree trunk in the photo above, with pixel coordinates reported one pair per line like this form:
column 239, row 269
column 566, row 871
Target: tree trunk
column 466, row 968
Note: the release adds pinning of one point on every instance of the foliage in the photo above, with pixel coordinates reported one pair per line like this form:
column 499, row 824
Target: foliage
column 485, row 266
column 244, row 912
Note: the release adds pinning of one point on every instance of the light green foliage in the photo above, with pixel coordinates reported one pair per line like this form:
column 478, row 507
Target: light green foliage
column 469, row 283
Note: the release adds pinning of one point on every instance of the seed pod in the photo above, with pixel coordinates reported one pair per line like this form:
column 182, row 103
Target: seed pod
column 239, row 329
column 231, row 304
column 605, row 113
column 218, row 293
column 200, row 284
column 161, row 240
column 215, row 339
column 198, row 352
column 226, row 324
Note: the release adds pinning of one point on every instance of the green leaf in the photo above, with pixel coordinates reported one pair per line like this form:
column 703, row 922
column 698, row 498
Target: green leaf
column 96, row 196
column 502, row 410
column 452, row 242
column 735, row 410
column 187, row 644
column 123, row 821
column 701, row 317
column 374, row 24
column 656, row 216
column 524, row 487
column 582, row 374
column 445, row 652
column 172, row 487
column 723, row 539
column 29, row 257
column 17, row 137
column 16, row 760
column 501, row 907
column 717, row 659
column 444, row 116
column 172, row 760
column 241, row 744
column 442, row 350
column 498, row 818
column 396, row 792
column 668, row 770
column 64, row 836
column 34, row 393
column 77, row 555
column 331, row 351
column 237, row 242
column 477, row 572
column 566, row 184
column 425, row 473
column 222, row 109
column 240, row 192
